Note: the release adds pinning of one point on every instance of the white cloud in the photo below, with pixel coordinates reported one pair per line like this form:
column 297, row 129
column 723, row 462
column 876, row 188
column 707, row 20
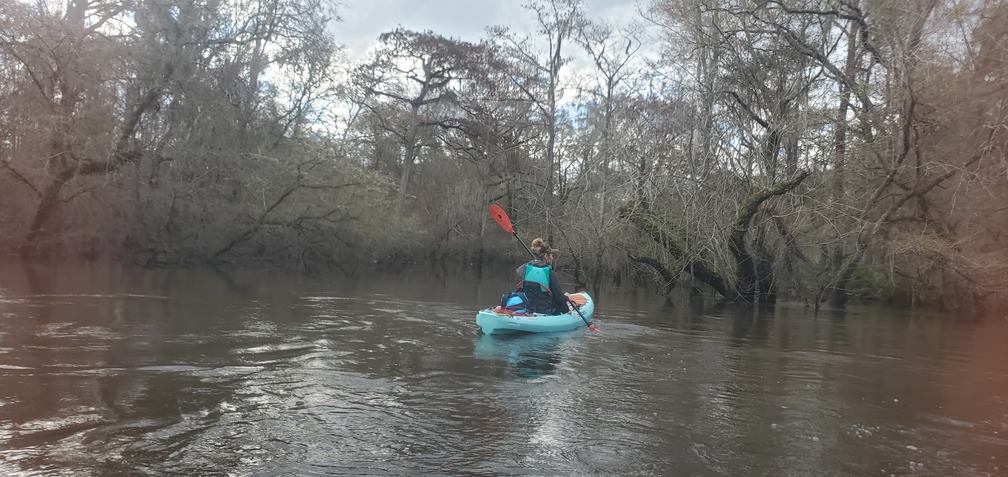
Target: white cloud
column 364, row 20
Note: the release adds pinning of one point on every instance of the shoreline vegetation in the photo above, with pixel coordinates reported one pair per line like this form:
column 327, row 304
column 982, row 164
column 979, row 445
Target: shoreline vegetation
column 819, row 154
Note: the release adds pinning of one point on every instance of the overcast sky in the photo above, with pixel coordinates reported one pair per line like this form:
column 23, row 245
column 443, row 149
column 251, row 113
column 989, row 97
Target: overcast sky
column 364, row 20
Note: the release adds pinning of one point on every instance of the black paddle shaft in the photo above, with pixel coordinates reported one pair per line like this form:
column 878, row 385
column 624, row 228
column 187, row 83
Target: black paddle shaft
column 523, row 245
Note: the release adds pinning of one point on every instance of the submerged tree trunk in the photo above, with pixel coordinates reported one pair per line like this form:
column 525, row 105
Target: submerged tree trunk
column 43, row 215
column 668, row 279
column 695, row 266
column 746, row 278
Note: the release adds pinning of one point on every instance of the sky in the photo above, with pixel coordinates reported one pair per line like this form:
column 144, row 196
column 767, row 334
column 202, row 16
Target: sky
column 364, row 20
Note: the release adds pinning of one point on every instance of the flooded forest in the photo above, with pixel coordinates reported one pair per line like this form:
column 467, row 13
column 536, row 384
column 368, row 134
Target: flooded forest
column 811, row 151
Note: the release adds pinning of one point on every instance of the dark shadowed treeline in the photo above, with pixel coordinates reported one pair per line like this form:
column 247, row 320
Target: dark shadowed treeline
column 812, row 151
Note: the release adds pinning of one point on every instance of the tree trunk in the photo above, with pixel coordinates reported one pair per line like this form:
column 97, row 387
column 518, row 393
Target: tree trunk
column 695, row 267
column 667, row 277
column 49, row 201
column 836, row 258
column 409, row 151
column 746, row 278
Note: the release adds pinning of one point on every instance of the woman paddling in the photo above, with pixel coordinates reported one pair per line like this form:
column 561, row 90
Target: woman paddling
column 540, row 283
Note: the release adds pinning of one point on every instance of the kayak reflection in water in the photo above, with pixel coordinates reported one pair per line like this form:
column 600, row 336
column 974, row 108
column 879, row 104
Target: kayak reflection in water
column 527, row 356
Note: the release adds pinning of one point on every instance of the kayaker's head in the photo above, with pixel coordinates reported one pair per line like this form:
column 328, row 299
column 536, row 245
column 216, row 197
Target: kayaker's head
column 543, row 251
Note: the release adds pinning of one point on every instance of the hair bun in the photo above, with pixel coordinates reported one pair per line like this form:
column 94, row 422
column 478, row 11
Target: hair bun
column 538, row 245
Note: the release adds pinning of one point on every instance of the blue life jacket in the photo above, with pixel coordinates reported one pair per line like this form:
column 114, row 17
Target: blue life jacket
column 536, row 285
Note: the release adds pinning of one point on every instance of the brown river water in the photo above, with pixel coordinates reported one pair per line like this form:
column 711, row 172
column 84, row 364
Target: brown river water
column 107, row 370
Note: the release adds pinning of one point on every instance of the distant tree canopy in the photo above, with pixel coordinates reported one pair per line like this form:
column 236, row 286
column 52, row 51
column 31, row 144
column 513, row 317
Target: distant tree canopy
column 811, row 151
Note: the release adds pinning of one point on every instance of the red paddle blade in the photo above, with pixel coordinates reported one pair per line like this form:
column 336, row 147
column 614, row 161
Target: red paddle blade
column 501, row 217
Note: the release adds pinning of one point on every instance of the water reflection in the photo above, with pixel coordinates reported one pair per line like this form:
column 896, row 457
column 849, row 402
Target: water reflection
column 118, row 372
column 530, row 356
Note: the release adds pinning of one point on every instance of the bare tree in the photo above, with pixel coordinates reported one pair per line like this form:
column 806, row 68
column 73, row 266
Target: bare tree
column 612, row 51
column 70, row 95
column 558, row 22
column 416, row 71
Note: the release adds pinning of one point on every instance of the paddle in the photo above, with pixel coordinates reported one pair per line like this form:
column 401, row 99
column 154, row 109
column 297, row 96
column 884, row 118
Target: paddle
column 504, row 221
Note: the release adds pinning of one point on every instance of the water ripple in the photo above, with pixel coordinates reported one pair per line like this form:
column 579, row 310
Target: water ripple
column 307, row 383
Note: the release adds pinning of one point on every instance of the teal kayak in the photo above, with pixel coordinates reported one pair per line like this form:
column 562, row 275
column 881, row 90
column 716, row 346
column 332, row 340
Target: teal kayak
column 497, row 320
